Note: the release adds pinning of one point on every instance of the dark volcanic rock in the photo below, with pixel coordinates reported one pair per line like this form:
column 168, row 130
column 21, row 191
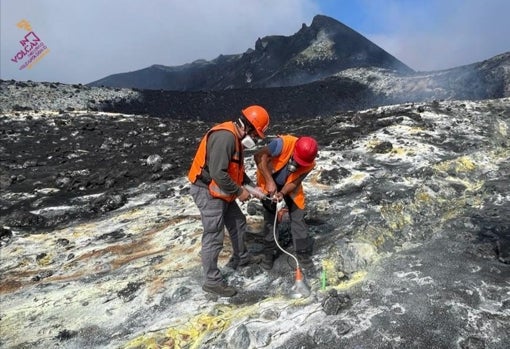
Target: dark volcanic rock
column 349, row 90
column 5, row 236
column 67, row 156
column 334, row 303
column 284, row 103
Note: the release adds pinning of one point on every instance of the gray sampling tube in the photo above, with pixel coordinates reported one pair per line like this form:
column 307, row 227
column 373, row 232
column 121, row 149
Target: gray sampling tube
column 255, row 191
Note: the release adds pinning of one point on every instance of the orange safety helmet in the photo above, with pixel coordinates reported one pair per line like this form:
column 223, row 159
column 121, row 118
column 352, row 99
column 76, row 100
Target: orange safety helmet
column 258, row 118
column 305, row 151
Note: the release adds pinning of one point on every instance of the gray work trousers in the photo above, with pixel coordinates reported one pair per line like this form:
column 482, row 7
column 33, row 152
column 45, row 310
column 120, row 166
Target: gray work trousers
column 217, row 214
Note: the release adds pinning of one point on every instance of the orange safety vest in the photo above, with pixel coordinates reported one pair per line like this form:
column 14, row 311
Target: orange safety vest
column 235, row 167
column 278, row 162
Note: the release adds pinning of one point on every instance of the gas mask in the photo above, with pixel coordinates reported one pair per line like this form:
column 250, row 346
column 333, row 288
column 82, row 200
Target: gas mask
column 248, row 142
column 292, row 166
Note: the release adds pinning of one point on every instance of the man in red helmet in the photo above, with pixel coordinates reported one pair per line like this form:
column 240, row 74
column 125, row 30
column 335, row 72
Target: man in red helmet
column 282, row 166
column 217, row 176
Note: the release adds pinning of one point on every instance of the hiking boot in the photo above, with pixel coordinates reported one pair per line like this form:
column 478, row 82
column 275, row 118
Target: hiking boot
column 250, row 259
column 234, row 263
column 269, row 255
column 305, row 261
column 267, row 261
column 222, row 290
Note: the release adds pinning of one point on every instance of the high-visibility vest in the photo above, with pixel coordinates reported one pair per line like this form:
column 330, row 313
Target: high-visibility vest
column 235, row 167
column 278, row 162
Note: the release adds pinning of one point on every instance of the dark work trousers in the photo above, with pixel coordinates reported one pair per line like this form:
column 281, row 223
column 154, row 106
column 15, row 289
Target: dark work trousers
column 217, row 214
column 301, row 240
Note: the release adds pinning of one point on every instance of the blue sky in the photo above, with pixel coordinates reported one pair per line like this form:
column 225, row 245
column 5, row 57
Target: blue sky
column 88, row 40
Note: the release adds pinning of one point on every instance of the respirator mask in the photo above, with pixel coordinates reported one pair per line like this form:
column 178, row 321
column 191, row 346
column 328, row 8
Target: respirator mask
column 292, row 165
column 248, row 142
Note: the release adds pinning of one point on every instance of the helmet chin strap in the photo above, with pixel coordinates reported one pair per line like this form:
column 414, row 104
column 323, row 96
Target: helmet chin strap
column 242, row 126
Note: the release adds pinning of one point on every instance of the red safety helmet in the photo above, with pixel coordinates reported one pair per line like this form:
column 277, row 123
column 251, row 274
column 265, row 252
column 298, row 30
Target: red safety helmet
column 305, row 151
column 258, row 118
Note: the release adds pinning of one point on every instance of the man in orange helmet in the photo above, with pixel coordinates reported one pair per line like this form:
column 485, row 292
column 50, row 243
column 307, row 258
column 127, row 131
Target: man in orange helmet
column 282, row 166
column 217, row 176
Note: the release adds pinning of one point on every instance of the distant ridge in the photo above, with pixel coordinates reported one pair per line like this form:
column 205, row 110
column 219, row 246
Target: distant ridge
column 351, row 89
column 323, row 49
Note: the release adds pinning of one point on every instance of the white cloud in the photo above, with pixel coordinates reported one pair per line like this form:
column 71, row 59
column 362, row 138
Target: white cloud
column 91, row 39
column 443, row 34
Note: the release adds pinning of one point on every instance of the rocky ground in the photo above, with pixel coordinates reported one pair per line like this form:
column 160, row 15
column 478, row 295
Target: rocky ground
column 70, row 155
column 408, row 205
column 58, row 144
